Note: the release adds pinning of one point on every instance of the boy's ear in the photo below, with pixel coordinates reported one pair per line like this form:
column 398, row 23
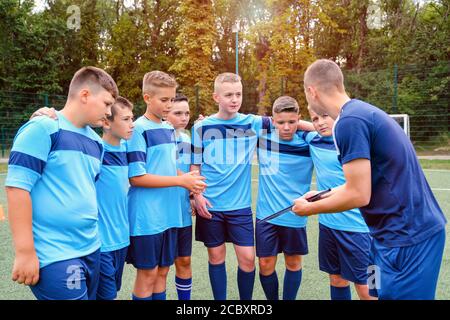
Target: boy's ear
column 147, row 97
column 83, row 94
column 216, row 97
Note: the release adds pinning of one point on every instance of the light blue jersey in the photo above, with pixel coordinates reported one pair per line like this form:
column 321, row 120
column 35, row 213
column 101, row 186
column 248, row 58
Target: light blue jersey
column 224, row 149
column 329, row 174
column 184, row 164
column 285, row 172
column 58, row 164
column 152, row 150
column 112, row 190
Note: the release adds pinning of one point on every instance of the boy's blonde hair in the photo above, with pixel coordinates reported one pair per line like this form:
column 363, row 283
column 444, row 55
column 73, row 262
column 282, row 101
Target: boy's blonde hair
column 225, row 77
column 285, row 104
column 157, row 79
column 325, row 75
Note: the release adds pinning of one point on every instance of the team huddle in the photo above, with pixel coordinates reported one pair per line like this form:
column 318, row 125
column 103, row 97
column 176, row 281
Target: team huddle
column 81, row 206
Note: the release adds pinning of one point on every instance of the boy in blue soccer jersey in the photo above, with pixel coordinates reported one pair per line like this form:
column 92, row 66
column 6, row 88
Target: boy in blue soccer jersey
column 344, row 240
column 154, row 215
column 112, row 190
column 178, row 117
column 279, row 154
column 224, row 144
column 51, row 192
column 384, row 179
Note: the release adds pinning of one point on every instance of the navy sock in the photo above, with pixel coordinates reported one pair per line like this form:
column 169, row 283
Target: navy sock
column 340, row 293
column 218, row 279
column 270, row 285
column 184, row 287
column 159, row 296
column 292, row 281
column 246, row 281
column 133, row 297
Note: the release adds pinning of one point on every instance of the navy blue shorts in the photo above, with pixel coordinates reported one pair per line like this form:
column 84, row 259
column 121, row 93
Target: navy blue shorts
column 406, row 273
column 272, row 239
column 184, row 242
column 73, row 279
column 344, row 253
column 229, row 226
column 111, row 270
column 149, row 252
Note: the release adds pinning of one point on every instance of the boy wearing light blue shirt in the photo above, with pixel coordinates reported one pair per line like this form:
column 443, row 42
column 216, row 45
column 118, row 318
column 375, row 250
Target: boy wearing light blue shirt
column 344, row 240
column 154, row 178
column 51, row 192
column 112, row 190
column 285, row 172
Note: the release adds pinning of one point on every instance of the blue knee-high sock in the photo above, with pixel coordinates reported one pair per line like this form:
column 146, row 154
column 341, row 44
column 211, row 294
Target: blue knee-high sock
column 292, row 281
column 218, row 279
column 246, row 281
column 159, row 296
column 133, row 297
column 340, row 293
column 270, row 285
column 184, row 287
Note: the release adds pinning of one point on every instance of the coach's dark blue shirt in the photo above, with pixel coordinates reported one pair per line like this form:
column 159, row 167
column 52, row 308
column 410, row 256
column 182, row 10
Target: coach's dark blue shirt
column 402, row 210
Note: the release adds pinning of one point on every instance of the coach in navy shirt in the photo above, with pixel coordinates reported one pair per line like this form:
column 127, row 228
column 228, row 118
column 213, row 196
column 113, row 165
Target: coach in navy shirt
column 384, row 179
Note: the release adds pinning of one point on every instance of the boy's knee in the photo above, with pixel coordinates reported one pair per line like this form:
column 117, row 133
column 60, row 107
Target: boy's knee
column 183, row 262
column 338, row 281
column 266, row 266
column 293, row 263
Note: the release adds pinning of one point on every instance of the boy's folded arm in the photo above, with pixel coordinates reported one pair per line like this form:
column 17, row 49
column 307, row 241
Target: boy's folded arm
column 155, row 181
column 305, row 126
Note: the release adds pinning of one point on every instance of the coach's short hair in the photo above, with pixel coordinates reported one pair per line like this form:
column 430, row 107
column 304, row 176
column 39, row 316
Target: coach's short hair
column 157, row 79
column 122, row 103
column 325, row 75
column 94, row 78
column 226, row 77
column 285, row 104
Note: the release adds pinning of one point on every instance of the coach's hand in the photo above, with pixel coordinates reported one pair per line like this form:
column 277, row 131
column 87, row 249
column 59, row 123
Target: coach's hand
column 301, row 205
column 26, row 269
column 200, row 206
column 45, row 111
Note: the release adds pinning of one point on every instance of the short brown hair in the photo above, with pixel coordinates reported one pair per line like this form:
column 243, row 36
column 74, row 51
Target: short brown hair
column 325, row 75
column 122, row 103
column 94, row 78
column 157, row 79
column 285, row 104
column 226, row 77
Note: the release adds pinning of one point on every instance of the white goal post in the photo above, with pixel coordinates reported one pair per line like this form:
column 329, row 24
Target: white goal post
column 403, row 121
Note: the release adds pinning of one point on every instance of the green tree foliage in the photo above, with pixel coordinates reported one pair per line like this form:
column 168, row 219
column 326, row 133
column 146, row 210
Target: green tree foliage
column 193, row 65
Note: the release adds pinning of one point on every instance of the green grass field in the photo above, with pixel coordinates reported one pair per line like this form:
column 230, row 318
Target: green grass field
column 314, row 283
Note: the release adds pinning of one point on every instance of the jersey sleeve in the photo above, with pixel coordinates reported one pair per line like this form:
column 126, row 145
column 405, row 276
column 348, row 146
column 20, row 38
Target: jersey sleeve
column 29, row 155
column 352, row 139
column 262, row 125
column 309, row 136
column 136, row 154
column 197, row 145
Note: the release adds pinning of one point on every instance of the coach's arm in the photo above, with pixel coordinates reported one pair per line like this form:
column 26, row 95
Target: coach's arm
column 26, row 262
column 355, row 193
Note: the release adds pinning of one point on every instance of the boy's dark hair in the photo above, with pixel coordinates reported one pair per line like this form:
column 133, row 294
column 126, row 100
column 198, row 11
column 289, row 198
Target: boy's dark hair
column 94, row 78
column 180, row 97
column 285, row 104
column 122, row 103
